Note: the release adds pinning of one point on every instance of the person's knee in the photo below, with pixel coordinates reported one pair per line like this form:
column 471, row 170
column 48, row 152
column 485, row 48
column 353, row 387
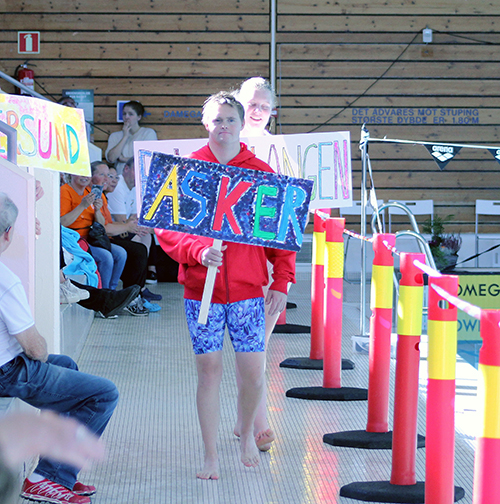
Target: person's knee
column 105, row 260
column 209, row 370
column 119, row 253
column 108, row 394
column 251, row 367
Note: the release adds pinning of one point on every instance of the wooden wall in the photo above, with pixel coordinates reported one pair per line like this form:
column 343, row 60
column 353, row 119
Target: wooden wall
column 339, row 63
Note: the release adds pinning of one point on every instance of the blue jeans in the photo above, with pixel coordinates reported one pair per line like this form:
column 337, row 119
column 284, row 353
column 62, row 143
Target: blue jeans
column 57, row 385
column 109, row 264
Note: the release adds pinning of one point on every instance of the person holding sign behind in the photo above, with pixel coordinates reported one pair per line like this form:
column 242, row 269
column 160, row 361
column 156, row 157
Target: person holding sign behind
column 121, row 143
column 258, row 99
column 237, row 299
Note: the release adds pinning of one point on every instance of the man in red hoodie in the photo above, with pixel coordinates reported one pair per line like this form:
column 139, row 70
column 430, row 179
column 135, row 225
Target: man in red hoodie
column 237, row 299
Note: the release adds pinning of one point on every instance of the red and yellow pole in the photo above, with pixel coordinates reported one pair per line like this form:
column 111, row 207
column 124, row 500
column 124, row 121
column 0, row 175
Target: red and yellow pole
column 440, row 411
column 409, row 327
column 381, row 300
column 317, row 288
column 487, row 459
column 334, row 289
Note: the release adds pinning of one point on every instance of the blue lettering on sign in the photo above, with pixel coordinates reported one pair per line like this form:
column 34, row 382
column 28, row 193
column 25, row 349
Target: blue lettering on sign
column 184, row 114
column 468, row 325
column 387, row 115
column 186, row 189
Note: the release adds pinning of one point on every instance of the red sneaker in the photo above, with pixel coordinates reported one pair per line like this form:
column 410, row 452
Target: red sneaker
column 81, row 489
column 49, row 491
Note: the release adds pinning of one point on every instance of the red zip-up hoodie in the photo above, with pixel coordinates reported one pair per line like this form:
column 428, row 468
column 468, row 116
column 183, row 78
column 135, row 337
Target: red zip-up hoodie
column 244, row 267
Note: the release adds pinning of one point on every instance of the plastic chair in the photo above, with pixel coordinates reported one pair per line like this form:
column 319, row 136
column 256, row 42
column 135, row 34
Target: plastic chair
column 484, row 207
column 417, row 207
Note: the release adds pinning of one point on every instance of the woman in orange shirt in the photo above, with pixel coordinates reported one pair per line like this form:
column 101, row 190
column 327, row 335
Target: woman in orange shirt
column 80, row 208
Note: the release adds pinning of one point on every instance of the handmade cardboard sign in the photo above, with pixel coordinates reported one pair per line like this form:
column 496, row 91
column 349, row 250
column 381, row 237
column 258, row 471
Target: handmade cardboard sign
column 225, row 202
column 323, row 158
column 49, row 135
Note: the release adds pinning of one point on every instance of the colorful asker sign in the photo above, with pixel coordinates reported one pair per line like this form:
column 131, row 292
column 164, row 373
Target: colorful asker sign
column 225, row 202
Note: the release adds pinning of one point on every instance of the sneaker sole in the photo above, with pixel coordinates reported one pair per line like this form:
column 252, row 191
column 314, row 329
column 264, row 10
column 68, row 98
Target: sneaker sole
column 33, row 498
column 151, row 282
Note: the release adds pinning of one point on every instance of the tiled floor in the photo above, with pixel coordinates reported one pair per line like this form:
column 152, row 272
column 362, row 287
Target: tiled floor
column 154, row 443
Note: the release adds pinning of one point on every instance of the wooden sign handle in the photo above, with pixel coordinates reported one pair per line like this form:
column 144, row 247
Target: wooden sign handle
column 209, row 288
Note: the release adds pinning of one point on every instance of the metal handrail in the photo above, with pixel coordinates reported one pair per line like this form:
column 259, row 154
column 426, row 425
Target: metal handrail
column 422, row 242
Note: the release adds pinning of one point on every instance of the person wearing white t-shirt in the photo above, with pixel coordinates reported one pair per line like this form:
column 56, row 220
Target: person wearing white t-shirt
column 123, row 207
column 121, row 143
column 45, row 381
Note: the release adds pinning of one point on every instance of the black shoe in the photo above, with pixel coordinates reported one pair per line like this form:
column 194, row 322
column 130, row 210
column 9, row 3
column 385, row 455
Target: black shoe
column 150, row 296
column 118, row 299
column 290, row 306
column 151, row 278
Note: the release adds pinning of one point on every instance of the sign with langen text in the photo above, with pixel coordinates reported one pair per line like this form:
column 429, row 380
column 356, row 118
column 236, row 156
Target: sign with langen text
column 323, row 158
column 225, row 202
column 49, row 135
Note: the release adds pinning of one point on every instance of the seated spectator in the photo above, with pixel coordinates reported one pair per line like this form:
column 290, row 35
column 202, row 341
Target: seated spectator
column 80, row 208
column 123, row 207
column 121, row 143
column 134, row 272
column 45, row 381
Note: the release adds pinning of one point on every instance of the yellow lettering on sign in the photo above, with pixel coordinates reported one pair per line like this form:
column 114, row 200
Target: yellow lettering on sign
column 168, row 190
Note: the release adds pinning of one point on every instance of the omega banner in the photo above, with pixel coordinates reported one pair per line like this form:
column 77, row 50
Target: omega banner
column 482, row 291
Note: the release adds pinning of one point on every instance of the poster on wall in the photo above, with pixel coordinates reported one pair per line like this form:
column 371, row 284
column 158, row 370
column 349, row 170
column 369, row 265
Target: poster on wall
column 225, row 202
column 49, row 135
column 323, row 158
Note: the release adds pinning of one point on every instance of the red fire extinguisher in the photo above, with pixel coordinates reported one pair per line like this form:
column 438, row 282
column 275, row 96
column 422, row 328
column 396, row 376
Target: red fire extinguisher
column 25, row 76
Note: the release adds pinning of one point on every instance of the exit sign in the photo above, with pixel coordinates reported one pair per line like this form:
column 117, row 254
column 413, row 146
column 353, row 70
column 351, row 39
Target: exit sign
column 28, row 42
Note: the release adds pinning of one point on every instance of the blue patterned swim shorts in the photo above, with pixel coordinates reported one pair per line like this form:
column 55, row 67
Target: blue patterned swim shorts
column 245, row 323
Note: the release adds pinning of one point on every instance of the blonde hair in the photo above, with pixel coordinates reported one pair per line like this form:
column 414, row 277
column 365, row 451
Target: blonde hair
column 257, row 83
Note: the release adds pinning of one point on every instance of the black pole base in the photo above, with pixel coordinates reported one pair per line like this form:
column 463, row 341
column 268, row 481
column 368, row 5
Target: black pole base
column 291, row 329
column 328, row 394
column 315, row 364
column 365, row 440
column 384, row 491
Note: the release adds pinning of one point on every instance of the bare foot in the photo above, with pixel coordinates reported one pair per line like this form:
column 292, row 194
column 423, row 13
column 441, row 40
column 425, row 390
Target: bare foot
column 264, row 439
column 249, row 451
column 210, row 469
column 237, row 430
